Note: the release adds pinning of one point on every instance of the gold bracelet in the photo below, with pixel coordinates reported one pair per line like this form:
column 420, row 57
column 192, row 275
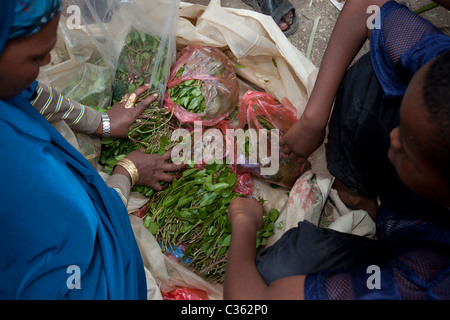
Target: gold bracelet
column 131, row 168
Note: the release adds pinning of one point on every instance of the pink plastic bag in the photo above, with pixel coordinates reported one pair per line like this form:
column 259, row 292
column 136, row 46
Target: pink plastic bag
column 184, row 293
column 259, row 110
column 220, row 87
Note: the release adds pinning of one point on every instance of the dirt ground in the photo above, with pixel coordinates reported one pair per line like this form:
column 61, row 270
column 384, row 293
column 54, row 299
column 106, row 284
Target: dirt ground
column 310, row 10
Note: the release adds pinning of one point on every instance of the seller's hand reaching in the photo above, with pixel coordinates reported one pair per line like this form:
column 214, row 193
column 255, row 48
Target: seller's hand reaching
column 124, row 113
column 152, row 168
column 244, row 210
column 302, row 139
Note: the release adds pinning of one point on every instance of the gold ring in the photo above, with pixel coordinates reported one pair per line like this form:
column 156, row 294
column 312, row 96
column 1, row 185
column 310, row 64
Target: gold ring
column 131, row 101
column 124, row 98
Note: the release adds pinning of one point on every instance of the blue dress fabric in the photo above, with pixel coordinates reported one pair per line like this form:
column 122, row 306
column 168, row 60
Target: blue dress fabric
column 410, row 258
column 401, row 46
column 63, row 233
column 413, row 235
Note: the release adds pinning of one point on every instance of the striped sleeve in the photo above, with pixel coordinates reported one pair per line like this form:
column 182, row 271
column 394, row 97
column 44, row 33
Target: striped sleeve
column 54, row 107
column 121, row 185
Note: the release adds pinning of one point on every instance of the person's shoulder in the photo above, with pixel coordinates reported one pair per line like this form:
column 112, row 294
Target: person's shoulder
column 391, row 5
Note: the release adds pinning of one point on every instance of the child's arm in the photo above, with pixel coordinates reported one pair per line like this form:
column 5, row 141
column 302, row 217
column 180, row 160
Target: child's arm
column 347, row 38
column 242, row 279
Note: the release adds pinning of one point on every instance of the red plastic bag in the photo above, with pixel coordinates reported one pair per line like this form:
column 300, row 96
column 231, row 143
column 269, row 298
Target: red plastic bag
column 184, row 293
column 245, row 183
column 259, row 110
column 220, row 86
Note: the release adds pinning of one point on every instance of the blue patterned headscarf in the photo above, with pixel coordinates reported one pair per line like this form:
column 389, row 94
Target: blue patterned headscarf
column 22, row 18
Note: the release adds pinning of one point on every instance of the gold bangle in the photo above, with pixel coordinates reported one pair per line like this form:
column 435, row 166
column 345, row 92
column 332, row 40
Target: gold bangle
column 131, row 168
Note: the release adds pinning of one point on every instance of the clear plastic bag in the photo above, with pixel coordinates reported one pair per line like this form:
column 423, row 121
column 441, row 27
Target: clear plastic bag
column 77, row 69
column 135, row 38
column 90, row 59
column 202, row 86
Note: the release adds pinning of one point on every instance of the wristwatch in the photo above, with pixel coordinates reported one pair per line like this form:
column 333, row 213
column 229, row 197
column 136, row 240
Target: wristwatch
column 106, row 122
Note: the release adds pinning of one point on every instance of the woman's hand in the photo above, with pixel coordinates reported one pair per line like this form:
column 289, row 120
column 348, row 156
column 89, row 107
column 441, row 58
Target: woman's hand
column 152, row 168
column 122, row 116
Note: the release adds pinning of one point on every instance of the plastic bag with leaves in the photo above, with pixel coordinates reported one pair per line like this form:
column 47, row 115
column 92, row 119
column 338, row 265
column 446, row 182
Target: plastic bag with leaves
column 259, row 110
column 202, row 86
column 137, row 39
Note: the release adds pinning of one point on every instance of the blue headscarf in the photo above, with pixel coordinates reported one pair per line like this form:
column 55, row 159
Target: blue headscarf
column 22, row 18
column 6, row 19
column 64, row 234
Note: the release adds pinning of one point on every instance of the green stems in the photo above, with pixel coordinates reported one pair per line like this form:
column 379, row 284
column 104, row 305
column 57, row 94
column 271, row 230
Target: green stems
column 192, row 210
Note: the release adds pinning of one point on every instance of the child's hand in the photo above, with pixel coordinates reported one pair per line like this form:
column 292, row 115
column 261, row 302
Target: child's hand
column 302, row 139
column 243, row 210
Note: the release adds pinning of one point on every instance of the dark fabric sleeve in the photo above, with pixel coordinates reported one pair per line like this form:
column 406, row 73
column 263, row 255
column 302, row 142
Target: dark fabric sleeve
column 409, row 273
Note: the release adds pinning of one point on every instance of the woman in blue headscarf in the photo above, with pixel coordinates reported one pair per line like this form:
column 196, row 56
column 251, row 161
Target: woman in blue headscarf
column 64, row 234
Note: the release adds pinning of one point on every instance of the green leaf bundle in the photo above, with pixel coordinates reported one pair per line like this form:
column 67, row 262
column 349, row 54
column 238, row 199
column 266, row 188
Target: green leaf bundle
column 136, row 63
column 193, row 211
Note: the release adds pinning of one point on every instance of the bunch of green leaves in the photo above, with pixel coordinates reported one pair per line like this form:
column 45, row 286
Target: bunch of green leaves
column 135, row 66
column 265, row 123
column 188, row 94
column 151, row 131
column 136, row 63
column 193, row 210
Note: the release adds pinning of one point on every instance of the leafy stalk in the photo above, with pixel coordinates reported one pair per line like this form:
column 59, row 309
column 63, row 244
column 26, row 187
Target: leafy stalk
column 193, row 210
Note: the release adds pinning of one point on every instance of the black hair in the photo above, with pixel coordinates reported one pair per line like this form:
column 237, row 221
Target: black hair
column 436, row 94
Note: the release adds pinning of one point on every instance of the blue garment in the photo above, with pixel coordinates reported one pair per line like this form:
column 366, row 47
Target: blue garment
column 413, row 235
column 415, row 238
column 63, row 233
column 31, row 15
column 7, row 16
column 398, row 50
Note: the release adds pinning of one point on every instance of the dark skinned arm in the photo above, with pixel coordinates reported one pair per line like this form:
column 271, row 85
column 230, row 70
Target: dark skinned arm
column 347, row 38
column 242, row 279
